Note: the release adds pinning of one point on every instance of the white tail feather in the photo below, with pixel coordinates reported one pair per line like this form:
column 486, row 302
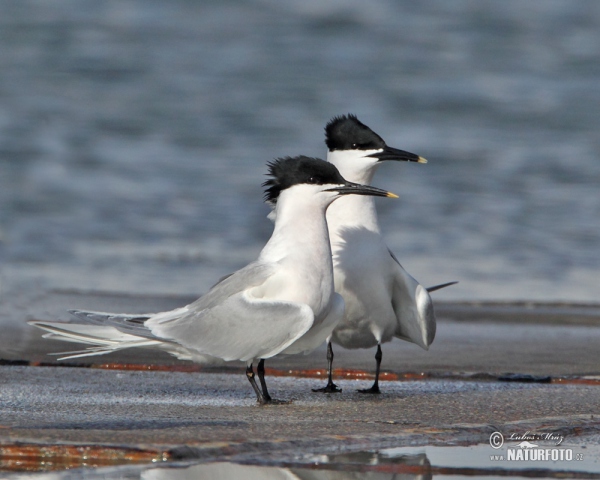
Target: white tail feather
column 93, row 334
column 104, row 338
column 107, row 339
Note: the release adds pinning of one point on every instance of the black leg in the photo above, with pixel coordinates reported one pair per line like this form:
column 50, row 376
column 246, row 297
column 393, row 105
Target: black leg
column 266, row 398
column 259, row 396
column 330, row 387
column 375, row 387
column 260, row 370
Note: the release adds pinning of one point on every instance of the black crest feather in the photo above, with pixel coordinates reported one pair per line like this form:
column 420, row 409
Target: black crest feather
column 289, row 171
column 347, row 132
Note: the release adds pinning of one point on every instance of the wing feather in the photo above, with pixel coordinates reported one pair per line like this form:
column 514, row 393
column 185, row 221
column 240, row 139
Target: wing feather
column 241, row 327
column 413, row 307
column 228, row 322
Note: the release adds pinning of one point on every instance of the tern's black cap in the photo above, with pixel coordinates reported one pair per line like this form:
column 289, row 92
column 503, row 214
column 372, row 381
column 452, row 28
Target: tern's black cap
column 290, row 171
column 347, row 132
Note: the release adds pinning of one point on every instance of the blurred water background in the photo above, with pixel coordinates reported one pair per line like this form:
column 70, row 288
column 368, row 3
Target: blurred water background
column 134, row 136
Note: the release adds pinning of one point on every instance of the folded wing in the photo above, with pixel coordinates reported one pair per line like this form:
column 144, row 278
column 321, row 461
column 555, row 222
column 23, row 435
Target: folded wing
column 232, row 322
column 413, row 307
column 240, row 328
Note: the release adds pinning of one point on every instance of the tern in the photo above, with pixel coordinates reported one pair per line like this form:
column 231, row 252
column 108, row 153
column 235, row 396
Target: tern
column 382, row 300
column 284, row 302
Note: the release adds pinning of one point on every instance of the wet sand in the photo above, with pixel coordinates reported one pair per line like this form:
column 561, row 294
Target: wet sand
column 456, row 393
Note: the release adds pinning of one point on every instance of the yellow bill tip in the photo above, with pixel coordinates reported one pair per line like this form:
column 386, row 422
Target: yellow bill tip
column 422, row 160
column 392, row 195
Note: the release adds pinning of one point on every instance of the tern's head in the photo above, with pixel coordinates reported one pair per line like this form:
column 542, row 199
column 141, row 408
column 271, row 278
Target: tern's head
column 356, row 149
column 311, row 177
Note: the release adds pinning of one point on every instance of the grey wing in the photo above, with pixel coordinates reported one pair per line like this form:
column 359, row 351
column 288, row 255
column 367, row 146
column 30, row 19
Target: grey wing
column 413, row 307
column 232, row 322
column 134, row 324
column 102, row 328
column 251, row 275
column 241, row 327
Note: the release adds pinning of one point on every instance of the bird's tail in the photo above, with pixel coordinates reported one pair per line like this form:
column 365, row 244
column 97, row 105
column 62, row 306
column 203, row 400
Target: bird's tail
column 110, row 332
column 440, row 286
column 105, row 333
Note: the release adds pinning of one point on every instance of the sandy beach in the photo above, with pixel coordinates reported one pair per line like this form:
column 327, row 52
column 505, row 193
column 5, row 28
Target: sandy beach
column 493, row 367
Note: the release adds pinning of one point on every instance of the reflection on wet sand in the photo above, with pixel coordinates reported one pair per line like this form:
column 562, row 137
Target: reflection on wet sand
column 424, row 462
column 360, row 465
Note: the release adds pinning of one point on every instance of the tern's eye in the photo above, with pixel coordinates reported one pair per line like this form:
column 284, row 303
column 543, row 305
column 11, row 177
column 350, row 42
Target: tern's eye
column 312, row 180
column 354, row 146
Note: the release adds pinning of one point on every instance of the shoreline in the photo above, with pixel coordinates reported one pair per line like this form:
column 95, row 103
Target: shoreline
column 492, row 338
column 517, row 366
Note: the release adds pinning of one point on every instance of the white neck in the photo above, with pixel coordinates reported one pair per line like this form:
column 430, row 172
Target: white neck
column 355, row 165
column 354, row 210
column 300, row 233
column 300, row 247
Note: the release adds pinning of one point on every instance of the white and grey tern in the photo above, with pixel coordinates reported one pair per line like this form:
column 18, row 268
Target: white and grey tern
column 382, row 300
column 282, row 303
